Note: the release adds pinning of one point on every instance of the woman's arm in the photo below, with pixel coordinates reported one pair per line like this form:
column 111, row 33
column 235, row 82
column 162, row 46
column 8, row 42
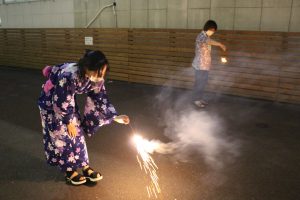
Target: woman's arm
column 98, row 111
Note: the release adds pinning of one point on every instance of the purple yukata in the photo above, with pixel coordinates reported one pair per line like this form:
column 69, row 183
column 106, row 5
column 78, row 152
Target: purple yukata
column 58, row 108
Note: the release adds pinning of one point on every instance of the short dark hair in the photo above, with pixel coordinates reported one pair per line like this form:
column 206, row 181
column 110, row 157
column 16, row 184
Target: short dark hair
column 210, row 24
column 93, row 61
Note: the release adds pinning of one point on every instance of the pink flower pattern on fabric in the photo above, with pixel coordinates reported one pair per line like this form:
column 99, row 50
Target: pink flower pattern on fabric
column 58, row 107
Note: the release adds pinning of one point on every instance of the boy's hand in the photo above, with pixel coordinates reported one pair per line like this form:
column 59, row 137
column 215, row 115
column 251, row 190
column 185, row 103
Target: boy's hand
column 72, row 130
column 122, row 119
column 223, row 47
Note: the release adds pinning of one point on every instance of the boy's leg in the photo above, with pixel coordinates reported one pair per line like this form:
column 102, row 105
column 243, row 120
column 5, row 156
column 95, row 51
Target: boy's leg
column 197, row 85
column 201, row 83
column 204, row 80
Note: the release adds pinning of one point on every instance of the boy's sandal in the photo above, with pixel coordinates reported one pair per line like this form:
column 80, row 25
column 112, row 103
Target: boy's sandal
column 199, row 104
column 204, row 102
column 92, row 176
column 76, row 180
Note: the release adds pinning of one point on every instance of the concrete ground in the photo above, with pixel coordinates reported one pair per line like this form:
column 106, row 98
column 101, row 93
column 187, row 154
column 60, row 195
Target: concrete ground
column 264, row 136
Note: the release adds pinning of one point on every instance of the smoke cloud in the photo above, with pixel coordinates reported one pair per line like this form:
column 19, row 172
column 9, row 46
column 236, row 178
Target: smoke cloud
column 193, row 132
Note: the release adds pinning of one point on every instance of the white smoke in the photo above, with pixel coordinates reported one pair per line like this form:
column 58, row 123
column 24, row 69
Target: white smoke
column 193, row 132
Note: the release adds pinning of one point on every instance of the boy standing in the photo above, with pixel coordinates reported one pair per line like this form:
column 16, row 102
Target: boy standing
column 202, row 60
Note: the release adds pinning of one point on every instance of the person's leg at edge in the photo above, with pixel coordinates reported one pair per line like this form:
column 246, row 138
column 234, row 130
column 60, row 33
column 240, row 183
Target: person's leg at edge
column 201, row 79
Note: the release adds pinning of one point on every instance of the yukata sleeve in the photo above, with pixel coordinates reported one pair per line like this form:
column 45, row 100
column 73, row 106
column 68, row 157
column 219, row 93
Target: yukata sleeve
column 98, row 111
column 63, row 100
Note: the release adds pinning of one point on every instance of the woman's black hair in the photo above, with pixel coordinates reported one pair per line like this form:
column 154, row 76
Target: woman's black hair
column 92, row 61
column 210, row 24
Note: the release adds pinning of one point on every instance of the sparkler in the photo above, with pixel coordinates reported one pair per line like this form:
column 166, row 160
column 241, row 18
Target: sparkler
column 223, row 59
column 145, row 148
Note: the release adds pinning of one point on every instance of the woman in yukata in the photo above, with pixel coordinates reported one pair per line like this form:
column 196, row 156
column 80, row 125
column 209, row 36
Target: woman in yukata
column 63, row 127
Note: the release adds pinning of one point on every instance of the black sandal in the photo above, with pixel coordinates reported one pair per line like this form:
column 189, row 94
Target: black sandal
column 76, row 180
column 93, row 176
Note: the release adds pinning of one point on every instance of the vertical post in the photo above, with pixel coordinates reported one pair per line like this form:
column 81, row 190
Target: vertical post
column 283, row 48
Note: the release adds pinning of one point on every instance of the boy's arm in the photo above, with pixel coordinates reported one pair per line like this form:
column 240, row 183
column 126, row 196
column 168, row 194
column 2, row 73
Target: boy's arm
column 215, row 43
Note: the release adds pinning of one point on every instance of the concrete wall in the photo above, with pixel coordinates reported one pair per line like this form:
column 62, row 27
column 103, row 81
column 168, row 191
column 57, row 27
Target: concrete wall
column 38, row 14
column 264, row 15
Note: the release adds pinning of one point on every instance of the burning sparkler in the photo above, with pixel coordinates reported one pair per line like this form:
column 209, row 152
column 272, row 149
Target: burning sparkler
column 223, row 59
column 145, row 148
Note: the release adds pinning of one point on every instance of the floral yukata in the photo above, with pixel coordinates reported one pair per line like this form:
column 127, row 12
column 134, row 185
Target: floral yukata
column 58, row 108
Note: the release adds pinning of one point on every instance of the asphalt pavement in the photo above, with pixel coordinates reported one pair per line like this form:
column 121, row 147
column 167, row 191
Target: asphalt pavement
column 250, row 152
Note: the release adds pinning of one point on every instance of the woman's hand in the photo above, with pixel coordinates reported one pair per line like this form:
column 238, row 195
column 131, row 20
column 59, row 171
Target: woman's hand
column 72, row 130
column 122, row 119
